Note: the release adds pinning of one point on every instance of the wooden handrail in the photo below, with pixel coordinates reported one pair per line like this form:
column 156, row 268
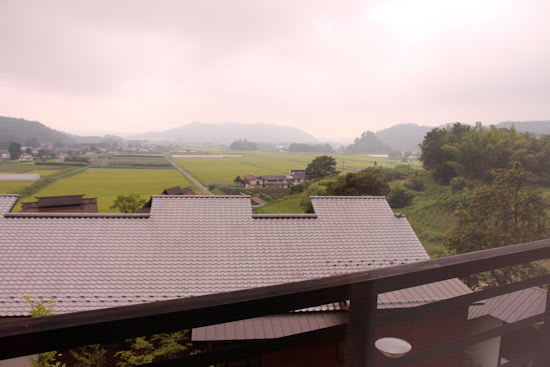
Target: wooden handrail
column 29, row 336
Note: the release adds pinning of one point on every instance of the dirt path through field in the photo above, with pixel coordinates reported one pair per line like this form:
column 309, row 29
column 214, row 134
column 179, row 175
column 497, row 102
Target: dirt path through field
column 203, row 188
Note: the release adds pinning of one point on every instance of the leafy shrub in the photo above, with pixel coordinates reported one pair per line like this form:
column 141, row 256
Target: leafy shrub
column 265, row 197
column 296, row 189
column 416, row 183
column 399, row 197
column 454, row 201
column 458, row 184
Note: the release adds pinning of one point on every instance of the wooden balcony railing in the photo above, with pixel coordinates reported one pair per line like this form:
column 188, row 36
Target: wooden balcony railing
column 59, row 332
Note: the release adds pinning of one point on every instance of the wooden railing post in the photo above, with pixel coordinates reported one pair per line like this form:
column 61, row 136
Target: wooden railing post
column 361, row 326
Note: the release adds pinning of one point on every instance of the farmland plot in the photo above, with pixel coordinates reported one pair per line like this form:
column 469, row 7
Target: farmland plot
column 106, row 184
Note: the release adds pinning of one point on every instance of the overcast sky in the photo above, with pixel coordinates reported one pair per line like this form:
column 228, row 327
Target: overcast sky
column 331, row 68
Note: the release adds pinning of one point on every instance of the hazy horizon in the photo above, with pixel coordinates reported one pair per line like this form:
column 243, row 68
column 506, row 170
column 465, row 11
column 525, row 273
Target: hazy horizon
column 330, row 69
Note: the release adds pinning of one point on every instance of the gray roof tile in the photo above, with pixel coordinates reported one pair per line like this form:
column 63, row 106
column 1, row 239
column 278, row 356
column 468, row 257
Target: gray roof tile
column 194, row 245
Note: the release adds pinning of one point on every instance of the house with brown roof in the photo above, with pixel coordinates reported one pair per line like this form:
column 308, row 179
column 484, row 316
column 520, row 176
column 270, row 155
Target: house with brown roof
column 61, row 204
column 252, row 181
column 197, row 245
column 276, row 180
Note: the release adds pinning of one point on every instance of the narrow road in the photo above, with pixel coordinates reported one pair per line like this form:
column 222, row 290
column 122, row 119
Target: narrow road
column 188, row 175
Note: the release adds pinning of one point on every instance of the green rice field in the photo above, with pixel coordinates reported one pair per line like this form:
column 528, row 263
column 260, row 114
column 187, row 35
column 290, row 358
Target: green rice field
column 224, row 170
column 9, row 187
column 106, row 184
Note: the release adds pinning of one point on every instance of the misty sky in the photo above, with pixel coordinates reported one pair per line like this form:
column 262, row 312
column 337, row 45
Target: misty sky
column 333, row 69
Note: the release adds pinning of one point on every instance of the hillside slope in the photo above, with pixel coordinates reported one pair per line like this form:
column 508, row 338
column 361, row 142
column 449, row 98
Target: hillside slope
column 537, row 127
column 403, row 137
column 21, row 131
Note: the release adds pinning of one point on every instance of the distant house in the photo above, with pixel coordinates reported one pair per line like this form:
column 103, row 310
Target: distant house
column 175, row 190
column 61, row 204
column 25, row 157
column 298, row 175
column 276, row 180
column 253, row 181
column 195, row 245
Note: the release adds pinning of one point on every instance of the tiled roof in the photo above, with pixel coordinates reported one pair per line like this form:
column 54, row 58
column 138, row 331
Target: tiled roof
column 511, row 307
column 273, row 177
column 194, row 245
column 269, row 327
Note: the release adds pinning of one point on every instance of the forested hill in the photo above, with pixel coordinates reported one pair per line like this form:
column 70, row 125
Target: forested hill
column 23, row 131
column 368, row 143
column 33, row 133
column 403, row 137
column 537, row 127
column 225, row 133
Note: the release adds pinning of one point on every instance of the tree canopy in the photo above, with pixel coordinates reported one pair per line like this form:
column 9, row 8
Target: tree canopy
column 472, row 152
column 311, row 148
column 365, row 182
column 368, row 143
column 320, row 167
column 15, row 150
column 511, row 210
column 243, row 144
column 130, row 203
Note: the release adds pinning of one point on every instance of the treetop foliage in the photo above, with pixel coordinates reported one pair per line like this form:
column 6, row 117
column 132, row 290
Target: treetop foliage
column 472, row 152
column 365, row 182
column 311, row 148
column 243, row 144
column 130, row 203
column 320, row 167
column 368, row 143
column 511, row 210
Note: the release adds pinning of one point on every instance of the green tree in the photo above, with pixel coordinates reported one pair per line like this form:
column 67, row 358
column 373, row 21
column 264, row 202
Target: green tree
column 243, row 144
column 42, row 308
column 368, row 143
column 320, row 167
column 399, row 197
column 364, row 182
column 238, row 180
column 509, row 211
column 15, row 150
column 154, row 348
column 130, row 203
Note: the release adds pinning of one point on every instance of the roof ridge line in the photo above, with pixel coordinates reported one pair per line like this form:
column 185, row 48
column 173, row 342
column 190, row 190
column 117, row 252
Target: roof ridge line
column 348, row 197
column 284, row 216
column 77, row 215
column 200, row 196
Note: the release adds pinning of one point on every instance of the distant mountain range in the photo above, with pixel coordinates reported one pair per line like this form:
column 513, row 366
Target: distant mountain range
column 226, row 133
column 398, row 137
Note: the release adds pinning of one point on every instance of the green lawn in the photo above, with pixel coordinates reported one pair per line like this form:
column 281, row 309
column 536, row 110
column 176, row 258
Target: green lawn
column 106, row 184
column 16, row 167
column 9, row 187
column 288, row 205
column 224, row 170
